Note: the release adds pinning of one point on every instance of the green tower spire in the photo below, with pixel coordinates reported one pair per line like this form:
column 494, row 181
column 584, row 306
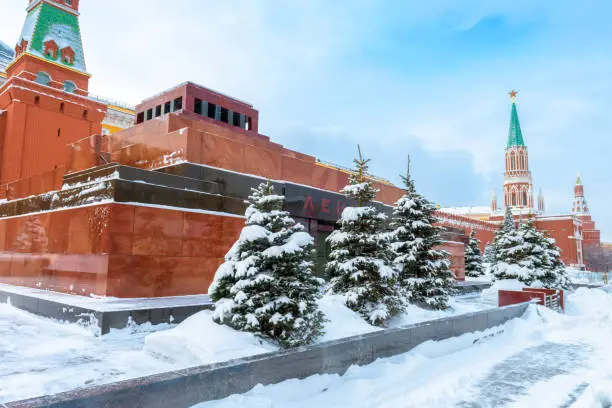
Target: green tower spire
column 515, row 136
column 51, row 32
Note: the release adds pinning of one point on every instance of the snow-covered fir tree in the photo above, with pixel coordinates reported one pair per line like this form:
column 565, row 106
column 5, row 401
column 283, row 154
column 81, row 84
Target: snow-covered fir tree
column 424, row 276
column 473, row 258
column 541, row 257
column 490, row 253
column 508, row 246
column 266, row 285
column 528, row 255
column 360, row 260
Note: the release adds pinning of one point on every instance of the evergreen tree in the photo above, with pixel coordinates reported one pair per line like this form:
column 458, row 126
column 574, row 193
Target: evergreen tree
column 541, row 257
column 473, row 258
column 360, row 261
column 508, row 245
column 424, row 275
column 266, row 284
column 490, row 253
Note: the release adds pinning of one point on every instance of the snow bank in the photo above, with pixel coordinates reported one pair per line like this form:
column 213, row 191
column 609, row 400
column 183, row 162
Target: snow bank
column 342, row 321
column 596, row 303
column 199, row 340
column 491, row 295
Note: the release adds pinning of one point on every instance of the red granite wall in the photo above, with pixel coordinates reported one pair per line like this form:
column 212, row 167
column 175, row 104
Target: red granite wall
column 116, row 250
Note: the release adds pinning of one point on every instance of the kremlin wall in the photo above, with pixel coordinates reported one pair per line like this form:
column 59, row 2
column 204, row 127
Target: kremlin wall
column 97, row 197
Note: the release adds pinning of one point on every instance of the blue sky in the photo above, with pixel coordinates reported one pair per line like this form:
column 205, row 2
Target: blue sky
column 429, row 78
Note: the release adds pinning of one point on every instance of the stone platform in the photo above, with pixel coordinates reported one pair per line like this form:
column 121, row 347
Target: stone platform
column 103, row 313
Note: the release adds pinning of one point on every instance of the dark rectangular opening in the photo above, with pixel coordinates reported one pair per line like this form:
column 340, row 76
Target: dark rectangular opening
column 150, row 114
column 249, row 123
column 167, row 107
column 212, row 108
column 236, row 119
column 140, row 118
column 158, row 111
column 224, row 115
column 178, row 104
column 197, row 106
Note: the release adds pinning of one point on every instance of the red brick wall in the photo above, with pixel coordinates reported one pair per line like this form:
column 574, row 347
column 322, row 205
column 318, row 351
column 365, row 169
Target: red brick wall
column 38, row 128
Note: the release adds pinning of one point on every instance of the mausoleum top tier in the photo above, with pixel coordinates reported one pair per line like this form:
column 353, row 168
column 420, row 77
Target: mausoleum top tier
column 51, row 32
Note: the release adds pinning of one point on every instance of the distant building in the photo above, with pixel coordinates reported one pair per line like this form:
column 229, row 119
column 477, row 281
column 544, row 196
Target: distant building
column 575, row 232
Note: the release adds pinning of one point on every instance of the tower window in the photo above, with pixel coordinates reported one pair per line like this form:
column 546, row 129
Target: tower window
column 212, row 109
column 513, row 198
column 62, row 107
column 85, row 114
column 69, row 86
column 36, row 100
column 59, row 132
column 525, row 203
column 43, row 78
column 512, row 162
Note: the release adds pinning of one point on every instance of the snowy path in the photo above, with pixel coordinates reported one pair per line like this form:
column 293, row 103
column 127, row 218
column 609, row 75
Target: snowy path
column 543, row 360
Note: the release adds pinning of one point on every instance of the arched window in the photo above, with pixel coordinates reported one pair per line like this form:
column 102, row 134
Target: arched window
column 522, row 162
column 514, row 198
column 512, row 161
column 525, row 199
column 69, row 86
column 43, row 78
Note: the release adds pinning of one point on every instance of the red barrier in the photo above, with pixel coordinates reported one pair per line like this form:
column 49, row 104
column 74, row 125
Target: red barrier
column 545, row 297
column 512, row 297
column 550, row 292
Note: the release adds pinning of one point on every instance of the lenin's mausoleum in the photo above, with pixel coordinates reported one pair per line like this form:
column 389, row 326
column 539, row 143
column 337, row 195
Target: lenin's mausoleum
column 100, row 198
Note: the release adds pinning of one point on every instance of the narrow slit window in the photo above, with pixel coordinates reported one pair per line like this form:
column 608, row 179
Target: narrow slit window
column 212, row 108
column 178, row 104
column 224, row 115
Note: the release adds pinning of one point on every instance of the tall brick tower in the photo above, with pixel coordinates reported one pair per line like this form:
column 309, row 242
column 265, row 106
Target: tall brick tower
column 518, row 184
column 43, row 103
column 580, row 207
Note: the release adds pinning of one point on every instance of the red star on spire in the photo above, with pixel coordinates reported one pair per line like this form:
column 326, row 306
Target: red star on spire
column 513, row 94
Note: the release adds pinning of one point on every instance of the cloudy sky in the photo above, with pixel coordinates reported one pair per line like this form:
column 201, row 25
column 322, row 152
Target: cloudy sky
column 425, row 78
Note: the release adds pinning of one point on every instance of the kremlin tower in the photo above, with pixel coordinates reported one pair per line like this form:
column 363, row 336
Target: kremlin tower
column 580, row 208
column 44, row 103
column 518, row 185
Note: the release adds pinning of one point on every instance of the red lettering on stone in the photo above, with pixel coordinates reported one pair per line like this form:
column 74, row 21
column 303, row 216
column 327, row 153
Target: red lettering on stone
column 325, row 205
column 339, row 208
column 309, row 206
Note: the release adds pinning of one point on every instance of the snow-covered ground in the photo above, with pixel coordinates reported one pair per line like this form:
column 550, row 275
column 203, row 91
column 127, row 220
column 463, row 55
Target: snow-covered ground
column 544, row 359
column 39, row 356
